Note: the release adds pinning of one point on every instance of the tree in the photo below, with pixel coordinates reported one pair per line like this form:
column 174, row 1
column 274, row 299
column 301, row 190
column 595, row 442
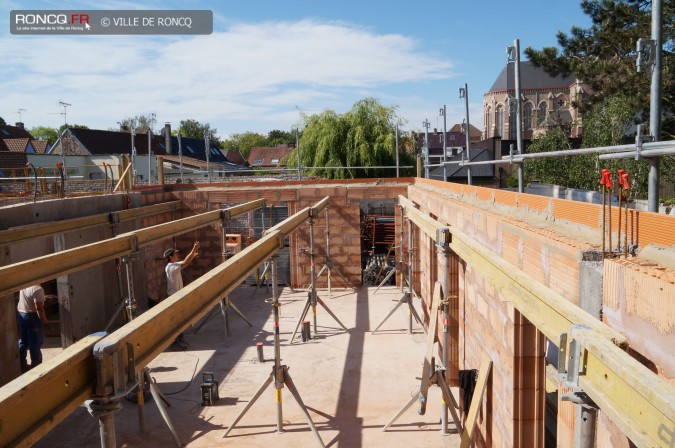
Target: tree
column 244, row 142
column 2, row 122
column 139, row 122
column 363, row 136
column 45, row 133
column 194, row 129
column 277, row 137
column 604, row 125
column 604, row 55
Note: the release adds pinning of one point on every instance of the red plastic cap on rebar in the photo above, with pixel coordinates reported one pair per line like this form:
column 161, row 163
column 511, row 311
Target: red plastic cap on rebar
column 59, row 165
column 27, row 164
column 619, row 176
column 606, row 178
column 626, row 183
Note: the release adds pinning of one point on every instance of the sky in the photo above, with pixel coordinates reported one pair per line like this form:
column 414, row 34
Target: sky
column 267, row 62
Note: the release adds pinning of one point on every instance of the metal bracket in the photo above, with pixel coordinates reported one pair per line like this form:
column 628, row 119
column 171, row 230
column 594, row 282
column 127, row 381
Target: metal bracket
column 569, row 366
column 639, row 140
column 443, row 237
column 114, row 218
column 646, row 54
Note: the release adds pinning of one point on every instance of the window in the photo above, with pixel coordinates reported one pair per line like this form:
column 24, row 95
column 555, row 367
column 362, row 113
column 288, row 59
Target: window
column 450, row 137
column 274, row 161
column 258, row 161
column 513, row 126
column 488, row 121
column 499, row 121
column 541, row 113
column 560, row 102
column 4, row 131
column 528, row 116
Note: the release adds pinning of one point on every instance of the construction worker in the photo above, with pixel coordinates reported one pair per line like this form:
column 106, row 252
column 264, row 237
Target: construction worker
column 174, row 279
column 31, row 317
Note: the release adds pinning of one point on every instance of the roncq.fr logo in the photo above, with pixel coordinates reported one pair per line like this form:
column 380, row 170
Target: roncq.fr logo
column 51, row 19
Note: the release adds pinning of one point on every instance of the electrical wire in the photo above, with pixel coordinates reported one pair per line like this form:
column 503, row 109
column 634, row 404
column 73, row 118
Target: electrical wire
column 194, row 372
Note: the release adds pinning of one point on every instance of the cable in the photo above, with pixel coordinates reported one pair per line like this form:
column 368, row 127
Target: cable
column 189, row 382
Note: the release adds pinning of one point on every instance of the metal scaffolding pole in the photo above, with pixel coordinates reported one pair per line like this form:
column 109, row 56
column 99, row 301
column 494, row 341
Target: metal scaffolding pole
column 655, row 104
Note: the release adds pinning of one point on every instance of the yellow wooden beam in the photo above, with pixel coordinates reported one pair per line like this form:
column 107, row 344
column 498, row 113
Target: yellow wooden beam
column 38, row 400
column 550, row 312
column 20, row 275
column 479, row 390
column 296, row 220
column 43, row 229
column 60, row 385
column 153, row 331
column 426, row 223
column 638, row 401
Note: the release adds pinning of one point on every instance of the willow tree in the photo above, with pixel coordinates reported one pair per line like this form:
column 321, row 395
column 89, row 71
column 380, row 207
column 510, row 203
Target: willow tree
column 362, row 137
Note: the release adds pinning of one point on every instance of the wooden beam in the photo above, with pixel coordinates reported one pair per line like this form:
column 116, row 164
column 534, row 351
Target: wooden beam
column 476, row 400
column 550, row 312
column 153, row 331
column 638, row 401
column 426, row 223
column 20, row 275
column 60, row 385
column 43, row 229
column 38, row 400
column 431, row 339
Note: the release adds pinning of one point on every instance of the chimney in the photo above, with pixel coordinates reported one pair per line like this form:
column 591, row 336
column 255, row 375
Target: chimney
column 19, row 125
column 167, row 138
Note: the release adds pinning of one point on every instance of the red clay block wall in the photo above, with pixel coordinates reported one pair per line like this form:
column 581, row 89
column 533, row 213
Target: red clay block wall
column 488, row 323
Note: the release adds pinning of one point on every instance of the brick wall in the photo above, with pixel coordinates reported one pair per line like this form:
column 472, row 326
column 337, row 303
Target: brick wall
column 488, row 323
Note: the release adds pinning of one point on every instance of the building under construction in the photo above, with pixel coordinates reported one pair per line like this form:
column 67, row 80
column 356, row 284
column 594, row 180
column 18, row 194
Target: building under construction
column 503, row 318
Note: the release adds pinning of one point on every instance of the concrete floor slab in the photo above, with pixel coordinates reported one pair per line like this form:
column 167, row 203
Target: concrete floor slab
column 351, row 382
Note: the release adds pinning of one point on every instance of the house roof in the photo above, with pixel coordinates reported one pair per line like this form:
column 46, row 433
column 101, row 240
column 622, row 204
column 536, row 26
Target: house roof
column 531, row 77
column 268, row 156
column 7, row 131
column 474, row 132
column 460, row 172
column 101, row 142
column 234, row 156
column 195, row 148
column 95, row 141
column 197, row 163
column 40, row 146
column 16, row 144
column 453, row 139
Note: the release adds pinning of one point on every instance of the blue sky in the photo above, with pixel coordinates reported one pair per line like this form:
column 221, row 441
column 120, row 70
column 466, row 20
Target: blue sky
column 268, row 60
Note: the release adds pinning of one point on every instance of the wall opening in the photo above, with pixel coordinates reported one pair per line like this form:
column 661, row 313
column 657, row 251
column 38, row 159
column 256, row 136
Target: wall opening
column 378, row 239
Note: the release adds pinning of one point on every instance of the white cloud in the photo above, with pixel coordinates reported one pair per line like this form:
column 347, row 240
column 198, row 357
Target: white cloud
column 243, row 73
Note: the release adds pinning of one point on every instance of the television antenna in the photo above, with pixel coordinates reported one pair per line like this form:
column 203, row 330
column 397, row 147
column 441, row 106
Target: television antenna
column 65, row 111
column 19, row 112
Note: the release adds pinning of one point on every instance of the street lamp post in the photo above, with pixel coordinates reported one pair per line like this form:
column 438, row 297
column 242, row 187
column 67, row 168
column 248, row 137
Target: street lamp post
column 464, row 93
column 426, row 125
column 443, row 112
column 513, row 55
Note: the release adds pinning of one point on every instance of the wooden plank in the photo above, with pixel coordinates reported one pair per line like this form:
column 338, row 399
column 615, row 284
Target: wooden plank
column 19, row 275
column 472, row 417
column 426, row 223
column 431, row 339
column 38, row 400
column 50, row 228
column 639, row 402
